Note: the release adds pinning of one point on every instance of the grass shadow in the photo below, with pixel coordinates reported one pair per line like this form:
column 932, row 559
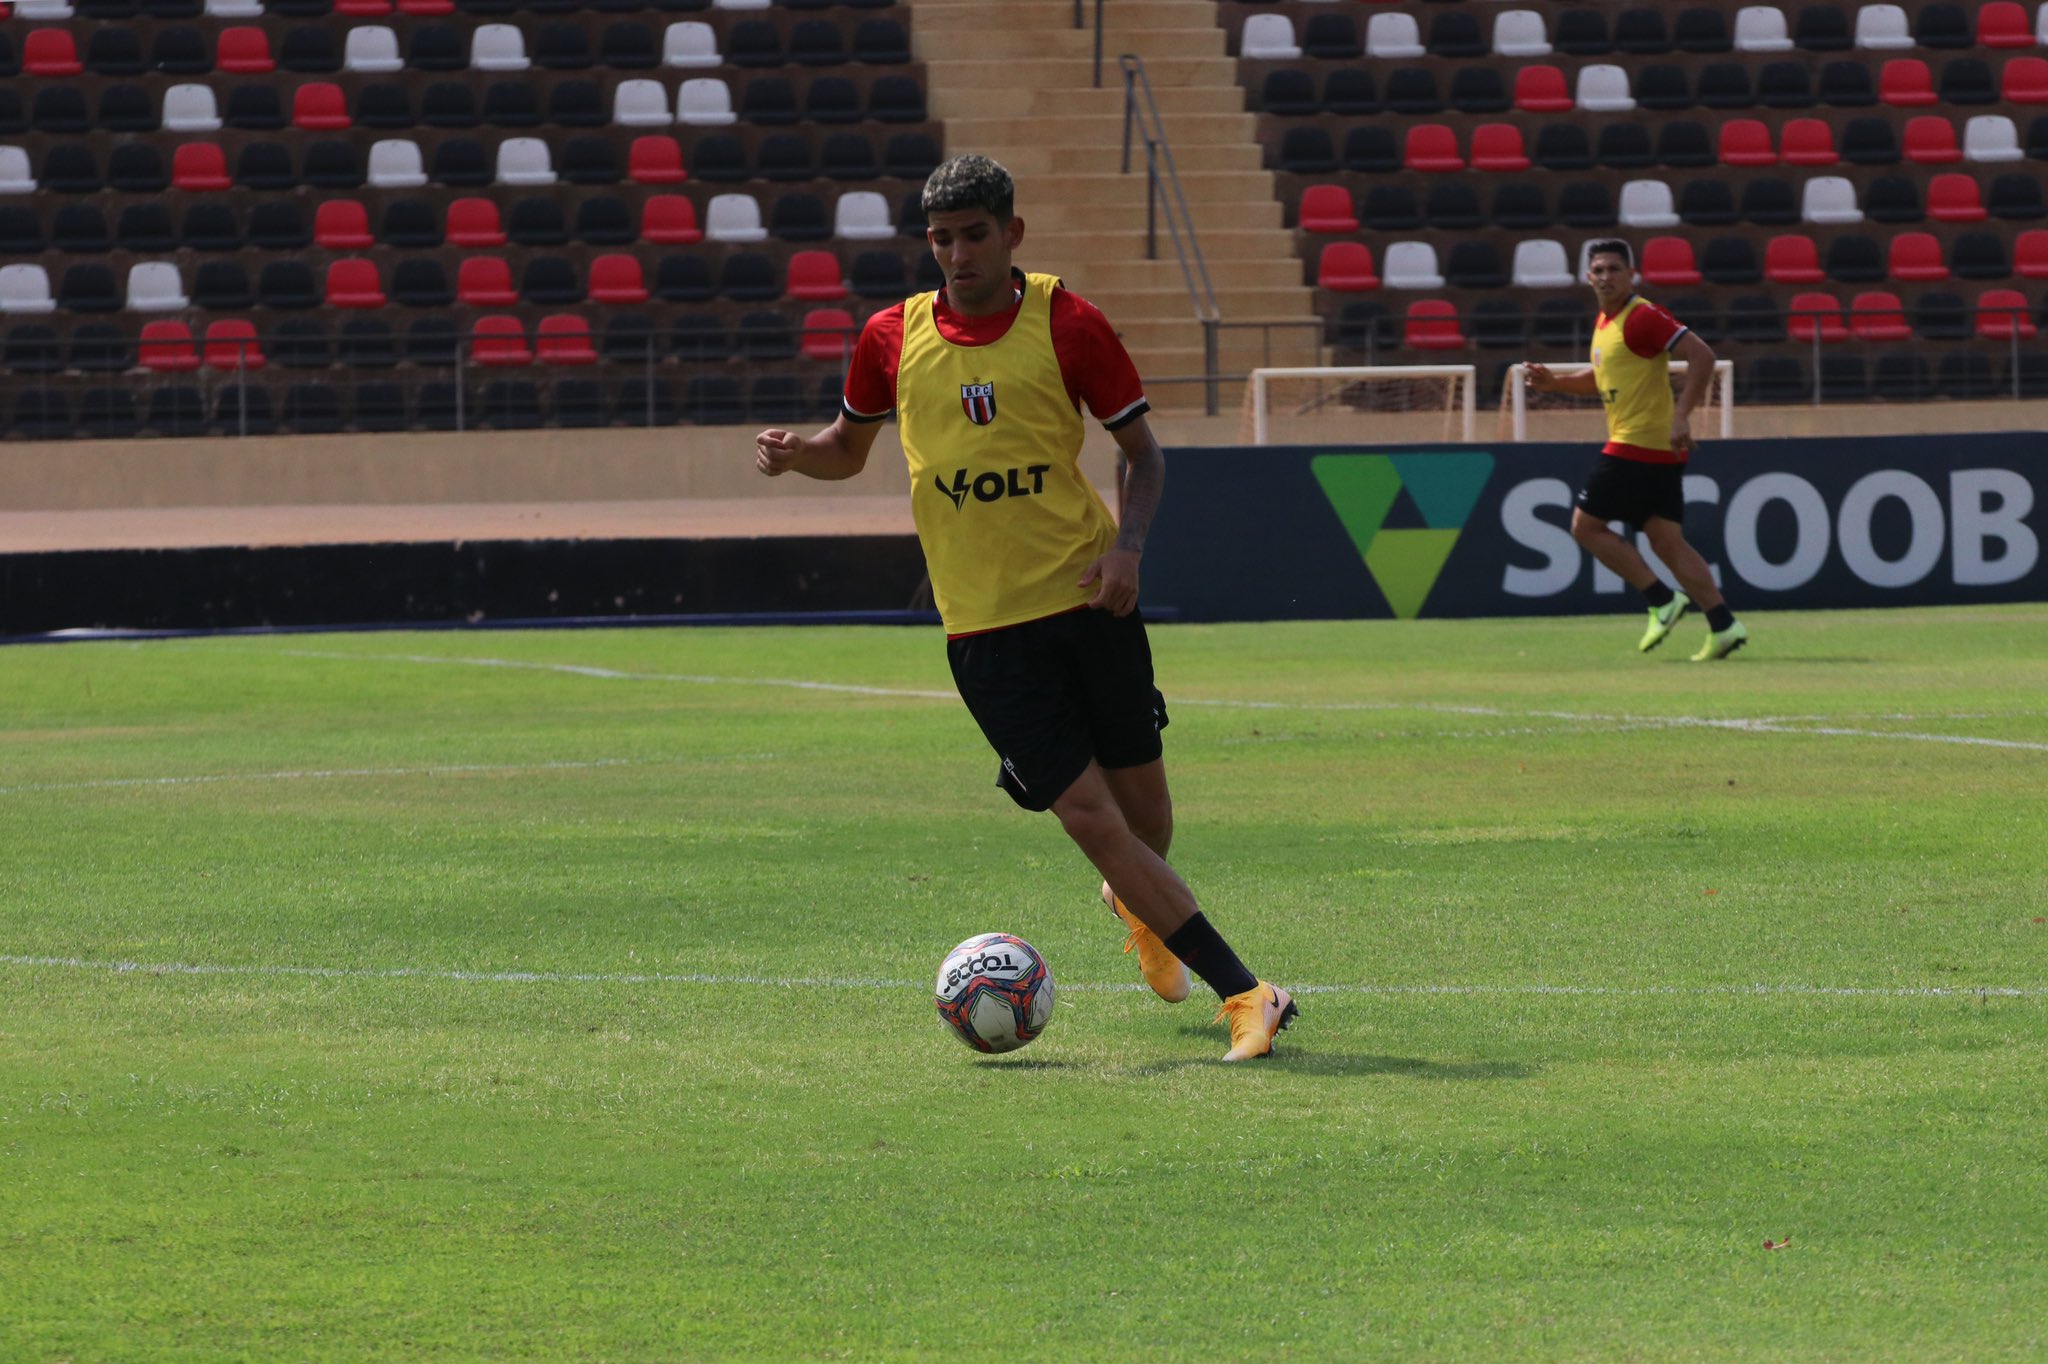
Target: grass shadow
column 1339, row 1063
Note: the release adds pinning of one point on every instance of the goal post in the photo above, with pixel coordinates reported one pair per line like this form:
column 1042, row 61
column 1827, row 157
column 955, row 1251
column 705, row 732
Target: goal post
column 1518, row 400
column 1358, row 404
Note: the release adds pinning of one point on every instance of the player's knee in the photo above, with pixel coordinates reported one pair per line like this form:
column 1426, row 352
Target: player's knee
column 1153, row 824
column 1585, row 529
column 1094, row 826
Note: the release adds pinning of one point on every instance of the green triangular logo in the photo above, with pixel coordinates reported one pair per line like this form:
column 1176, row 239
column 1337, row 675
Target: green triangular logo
column 1443, row 486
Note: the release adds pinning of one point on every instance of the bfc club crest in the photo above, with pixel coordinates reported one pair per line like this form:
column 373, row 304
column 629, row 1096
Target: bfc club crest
column 979, row 401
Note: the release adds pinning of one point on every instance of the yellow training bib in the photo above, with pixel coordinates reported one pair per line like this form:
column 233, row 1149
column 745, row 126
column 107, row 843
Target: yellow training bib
column 1635, row 389
column 1007, row 521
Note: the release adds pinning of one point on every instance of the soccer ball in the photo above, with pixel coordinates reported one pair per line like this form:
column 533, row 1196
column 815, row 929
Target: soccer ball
column 994, row 992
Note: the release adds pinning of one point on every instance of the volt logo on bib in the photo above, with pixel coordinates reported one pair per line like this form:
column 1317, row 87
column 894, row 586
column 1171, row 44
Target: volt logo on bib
column 992, row 485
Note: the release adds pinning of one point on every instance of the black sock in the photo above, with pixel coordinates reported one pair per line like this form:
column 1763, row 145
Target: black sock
column 1657, row 594
column 1720, row 618
column 1208, row 956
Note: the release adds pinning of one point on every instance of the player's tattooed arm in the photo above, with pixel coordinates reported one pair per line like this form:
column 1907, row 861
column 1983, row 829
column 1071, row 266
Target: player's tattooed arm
column 1144, row 480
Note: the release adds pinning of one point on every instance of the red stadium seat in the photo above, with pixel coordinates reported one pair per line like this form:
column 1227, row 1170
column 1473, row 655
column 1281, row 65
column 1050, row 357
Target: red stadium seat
column 1808, row 142
column 497, row 339
column 815, row 277
column 2003, row 314
column 1432, row 324
column 670, row 220
column 50, row 52
column 199, row 166
column 1931, row 141
column 424, row 7
column 1791, row 259
column 1877, row 315
column 486, row 280
column 1542, row 90
column 244, row 50
column 2003, row 23
column 342, row 225
column 564, row 339
column 1327, row 208
column 828, row 334
column 2030, row 254
column 655, row 160
column 616, row 278
column 1811, row 315
column 362, row 9
column 1346, row 267
column 1747, row 142
column 1916, row 258
column 2026, row 81
column 319, row 104
column 1498, row 147
column 1905, row 83
column 1669, row 260
column 1953, row 198
column 354, row 284
column 167, row 348
column 1433, row 147
column 231, row 344
column 474, row 222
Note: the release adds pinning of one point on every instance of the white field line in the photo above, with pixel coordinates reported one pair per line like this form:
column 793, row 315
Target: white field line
column 1782, row 990
column 323, row 774
column 1763, row 725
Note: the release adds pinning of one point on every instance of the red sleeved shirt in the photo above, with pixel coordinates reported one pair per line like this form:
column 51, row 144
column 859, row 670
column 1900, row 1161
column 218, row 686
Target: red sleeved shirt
column 1094, row 365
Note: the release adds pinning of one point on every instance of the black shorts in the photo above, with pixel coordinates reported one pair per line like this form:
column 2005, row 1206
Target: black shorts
column 1633, row 490
column 1053, row 695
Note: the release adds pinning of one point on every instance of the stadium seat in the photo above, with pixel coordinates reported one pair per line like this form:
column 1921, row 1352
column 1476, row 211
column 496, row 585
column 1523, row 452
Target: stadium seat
column 1392, row 36
column 1541, row 89
column 1784, row 85
column 690, row 44
column 50, row 52
column 2003, row 23
column 1268, row 37
column 1664, row 87
column 485, row 281
column 498, row 47
column 1541, row 264
column 1930, row 140
column 1498, row 147
column 199, row 166
column 2025, row 80
column 1829, row 199
column 1350, row 91
column 1602, row 89
column 1520, row 33
column 814, row 276
column 190, row 108
column 1747, row 142
column 372, row 49
column 342, row 225
column 616, row 278
column 1942, row 317
column 498, row 339
column 1683, row 143
column 1391, row 208
column 641, row 104
column 1761, row 28
column 1815, row 316
column 564, row 339
column 167, row 347
column 704, row 101
column 243, row 50
column 1978, row 255
column 1582, row 33
column 1916, row 257
column 1346, row 267
column 734, row 218
column 1585, row 204
column 1904, row 83
column 474, row 222
column 1411, row 265
column 1991, row 138
column 154, row 287
column 1725, row 85
column 1730, row 260
column 2016, row 197
column 127, row 108
column 1854, row 258
column 862, row 215
column 1647, row 203
column 1432, row 147
column 655, row 160
column 1883, row 28
column 1792, row 259
column 524, row 161
column 319, row 105
column 1330, row 36
column 1877, row 315
column 1808, row 142
column 1965, row 80
column 395, row 164
column 1432, row 324
column 670, row 219
column 231, row 344
column 1954, row 198
column 2030, row 254
column 1668, row 260
column 1327, row 208
column 353, row 283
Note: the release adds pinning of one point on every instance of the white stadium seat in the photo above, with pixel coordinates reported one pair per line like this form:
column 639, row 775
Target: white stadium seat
column 498, row 47
column 1761, row 28
column 641, row 104
column 1603, row 89
column 1542, row 264
column 1647, row 203
column 1991, row 137
column 1393, row 35
column 734, row 218
column 154, row 287
column 1829, row 199
column 524, row 161
column 690, row 43
column 862, row 216
column 190, row 108
column 25, row 289
column 704, row 101
column 372, row 48
column 235, row 9
column 1410, row 265
column 1268, row 35
column 14, row 172
column 1883, row 28
column 1519, row 33
column 395, row 163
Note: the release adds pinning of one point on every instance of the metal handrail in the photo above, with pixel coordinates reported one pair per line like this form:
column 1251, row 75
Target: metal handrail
column 1164, row 191
column 1080, row 21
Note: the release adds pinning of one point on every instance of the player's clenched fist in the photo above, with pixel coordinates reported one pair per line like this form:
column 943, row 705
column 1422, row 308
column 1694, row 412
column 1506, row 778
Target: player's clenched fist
column 775, row 451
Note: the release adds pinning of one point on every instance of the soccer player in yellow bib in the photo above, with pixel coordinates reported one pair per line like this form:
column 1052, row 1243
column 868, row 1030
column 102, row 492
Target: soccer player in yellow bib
column 1640, row 477
column 1036, row 582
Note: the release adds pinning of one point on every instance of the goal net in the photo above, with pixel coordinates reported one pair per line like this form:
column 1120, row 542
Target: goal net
column 1358, row 404
column 1526, row 414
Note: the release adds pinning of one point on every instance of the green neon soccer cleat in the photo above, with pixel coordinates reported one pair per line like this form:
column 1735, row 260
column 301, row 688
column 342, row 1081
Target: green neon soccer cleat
column 1722, row 643
column 1662, row 618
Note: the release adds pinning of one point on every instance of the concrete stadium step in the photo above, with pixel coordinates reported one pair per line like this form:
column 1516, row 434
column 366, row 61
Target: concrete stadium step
column 1006, row 41
column 1132, row 306
column 1128, row 216
column 1166, row 73
column 1119, row 17
column 1107, row 159
column 966, row 128
column 1135, row 272
column 1072, row 97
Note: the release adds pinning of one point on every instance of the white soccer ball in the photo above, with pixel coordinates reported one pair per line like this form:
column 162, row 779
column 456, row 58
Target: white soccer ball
column 994, row 992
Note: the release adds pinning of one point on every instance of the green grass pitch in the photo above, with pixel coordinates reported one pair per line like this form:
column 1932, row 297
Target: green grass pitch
column 564, row 995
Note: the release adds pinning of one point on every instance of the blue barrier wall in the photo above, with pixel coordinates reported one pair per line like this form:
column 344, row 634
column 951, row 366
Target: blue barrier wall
column 1292, row 532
